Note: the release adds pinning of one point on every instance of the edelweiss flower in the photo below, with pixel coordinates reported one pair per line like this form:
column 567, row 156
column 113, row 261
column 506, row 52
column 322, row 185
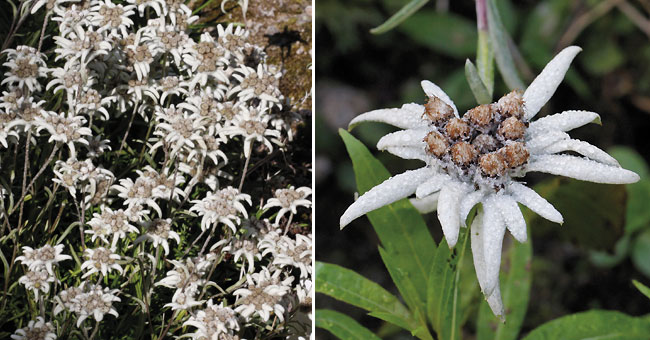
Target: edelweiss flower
column 37, row 280
column 213, row 321
column 253, row 124
column 262, row 295
column 111, row 17
column 243, row 249
column 36, row 330
column 25, row 65
column 289, row 200
column 476, row 159
column 96, row 302
column 44, row 257
column 223, row 206
column 261, row 83
column 100, row 260
column 158, row 232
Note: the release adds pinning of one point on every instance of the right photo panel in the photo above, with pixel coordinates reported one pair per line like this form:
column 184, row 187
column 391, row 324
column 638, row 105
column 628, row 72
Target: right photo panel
column 481, row 169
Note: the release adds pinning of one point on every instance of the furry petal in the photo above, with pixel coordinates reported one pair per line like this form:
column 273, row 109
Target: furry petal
column 409, row 116
column 544, row 86
column 534, row 202
column 391, row 190
column 448, row 202
column 582, row 169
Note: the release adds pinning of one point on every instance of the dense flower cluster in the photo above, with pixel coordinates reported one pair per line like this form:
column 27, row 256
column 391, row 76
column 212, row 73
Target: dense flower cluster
column 208, row 102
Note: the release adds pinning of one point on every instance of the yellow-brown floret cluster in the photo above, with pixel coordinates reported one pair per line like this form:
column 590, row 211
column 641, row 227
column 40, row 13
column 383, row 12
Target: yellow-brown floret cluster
column 490, row 136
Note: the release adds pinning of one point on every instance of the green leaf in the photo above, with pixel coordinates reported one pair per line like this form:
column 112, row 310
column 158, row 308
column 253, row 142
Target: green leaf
column 641, row 252
column 341, row 325
column 404, row 285
column 515, row 291
column 642, row 288
column 348, row 286
column 500, row 39
column 401, row 15
column 485, row 61
column 481, row 93
column 443, row 301
column 445, row 33
column 595, row 324
column 401, row 229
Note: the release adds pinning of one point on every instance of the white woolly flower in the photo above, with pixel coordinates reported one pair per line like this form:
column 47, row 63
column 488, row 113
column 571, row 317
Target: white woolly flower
column 182, row 130
column 253, row 124
column 263, row 295
column 223, row 206
column 213, row 321
column 110, row 224
column 137, row 193
column 241, row 249
column 184, row 299
column 36, row 330
column 207, row 61
column 97, row 302
column 261, row 83
column 167, row 38
column 70, row 19
column 44, row 257
column 159, row 6
column 295, row 253
column 37, row 280
column 110, row 17
column 477, row 158
column 288, row 200
column 100, row 260
column 65, row 300
column 235, row 40
column 158, row 232
column 81, row 45
column 65, row 128
column 25, row 65
column 186, row 274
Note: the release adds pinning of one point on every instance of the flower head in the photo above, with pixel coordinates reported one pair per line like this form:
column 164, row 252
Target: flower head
column 36, row 330
column 477, row 158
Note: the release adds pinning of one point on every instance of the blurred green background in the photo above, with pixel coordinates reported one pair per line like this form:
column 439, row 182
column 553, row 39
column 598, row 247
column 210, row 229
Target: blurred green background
column 588, row 262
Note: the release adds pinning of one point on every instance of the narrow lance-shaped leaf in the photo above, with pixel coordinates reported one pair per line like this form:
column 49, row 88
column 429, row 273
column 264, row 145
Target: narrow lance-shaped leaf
column 481, row 93
column 499, row 41
column 343, row 326
column 595, row 324
column 484, row 51
column 348, row 286
column 642, row 288
column 443, row 299
column 401, row 229
column 399, row 17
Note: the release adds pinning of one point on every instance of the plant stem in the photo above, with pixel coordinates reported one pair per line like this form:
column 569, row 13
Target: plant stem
column 243, row 175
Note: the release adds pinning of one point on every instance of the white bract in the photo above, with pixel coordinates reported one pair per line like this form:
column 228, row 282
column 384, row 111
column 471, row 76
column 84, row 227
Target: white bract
column 478, row 159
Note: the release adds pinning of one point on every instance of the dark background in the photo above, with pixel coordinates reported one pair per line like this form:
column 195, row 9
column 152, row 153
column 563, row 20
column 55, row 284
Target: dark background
column 357, row 72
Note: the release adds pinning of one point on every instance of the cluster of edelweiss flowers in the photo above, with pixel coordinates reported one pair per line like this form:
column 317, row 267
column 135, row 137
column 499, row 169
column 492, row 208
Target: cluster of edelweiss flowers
column 206, row 100
column 477, row 158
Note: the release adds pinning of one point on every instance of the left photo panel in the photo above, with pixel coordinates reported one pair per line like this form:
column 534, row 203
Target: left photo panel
column 156, row 169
